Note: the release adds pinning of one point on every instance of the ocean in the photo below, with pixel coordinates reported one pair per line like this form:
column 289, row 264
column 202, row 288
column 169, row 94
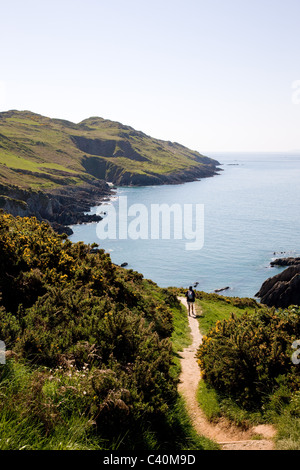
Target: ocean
column 250, row 216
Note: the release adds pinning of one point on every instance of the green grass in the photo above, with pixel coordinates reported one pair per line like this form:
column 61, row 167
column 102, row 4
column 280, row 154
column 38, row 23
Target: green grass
column 15, row 161
column 181, row 337
column 24, row 419
column 208, row 401
column 215, row 406
column 288, row 437
column 55, row 166
column 217, row 308
column 284, row 410
column 184, row 435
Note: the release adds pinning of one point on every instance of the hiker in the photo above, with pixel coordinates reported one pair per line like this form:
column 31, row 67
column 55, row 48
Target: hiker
column 191, row 297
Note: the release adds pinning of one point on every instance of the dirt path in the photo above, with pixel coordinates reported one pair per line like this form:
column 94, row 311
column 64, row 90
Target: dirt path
column 228, row 436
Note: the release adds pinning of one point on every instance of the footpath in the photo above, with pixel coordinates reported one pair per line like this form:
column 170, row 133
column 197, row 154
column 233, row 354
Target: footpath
column 227, row 435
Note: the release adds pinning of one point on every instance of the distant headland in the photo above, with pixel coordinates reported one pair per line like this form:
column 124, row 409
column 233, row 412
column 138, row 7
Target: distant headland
column 56, row 170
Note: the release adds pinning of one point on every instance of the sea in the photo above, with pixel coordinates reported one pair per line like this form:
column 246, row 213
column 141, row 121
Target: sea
column 242, row 219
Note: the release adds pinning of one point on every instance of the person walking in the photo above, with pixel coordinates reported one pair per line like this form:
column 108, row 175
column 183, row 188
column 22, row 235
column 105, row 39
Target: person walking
column 190, row 297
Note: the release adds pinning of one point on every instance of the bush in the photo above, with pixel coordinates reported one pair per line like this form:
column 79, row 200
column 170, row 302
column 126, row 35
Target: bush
column 245, row 357
column 63, row 307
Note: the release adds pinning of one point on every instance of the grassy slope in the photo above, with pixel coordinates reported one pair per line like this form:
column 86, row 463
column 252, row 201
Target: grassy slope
column 162, row 156
column 45, row 146
column 217, row 308
column 97, row 349
column 33, row 143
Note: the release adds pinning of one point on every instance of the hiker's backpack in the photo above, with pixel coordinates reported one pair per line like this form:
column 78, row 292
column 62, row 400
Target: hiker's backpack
column 190, row 295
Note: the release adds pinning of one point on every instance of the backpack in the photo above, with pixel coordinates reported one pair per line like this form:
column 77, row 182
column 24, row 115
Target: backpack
column 190, row 295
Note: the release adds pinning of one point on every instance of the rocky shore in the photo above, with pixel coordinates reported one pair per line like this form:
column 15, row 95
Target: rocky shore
column 282, row 290
column 61, row 207
column 285, row 262
column 68, row 204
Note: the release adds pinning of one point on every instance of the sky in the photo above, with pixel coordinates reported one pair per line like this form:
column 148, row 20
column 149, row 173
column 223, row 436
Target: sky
column 213, row 75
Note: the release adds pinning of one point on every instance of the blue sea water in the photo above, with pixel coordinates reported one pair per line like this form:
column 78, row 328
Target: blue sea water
column 251, row 211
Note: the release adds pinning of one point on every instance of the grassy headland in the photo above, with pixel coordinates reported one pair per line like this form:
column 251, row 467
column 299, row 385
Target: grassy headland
column 56, row 170
column 53, row 149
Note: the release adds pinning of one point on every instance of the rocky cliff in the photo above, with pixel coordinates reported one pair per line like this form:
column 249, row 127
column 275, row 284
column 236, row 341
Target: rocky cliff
column 114, row 173
column 282, row 290
column 60, row 207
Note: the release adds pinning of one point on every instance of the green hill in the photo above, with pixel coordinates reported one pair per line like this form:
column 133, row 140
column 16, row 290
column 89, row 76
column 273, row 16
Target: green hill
column 50, row 151
column 56, row 170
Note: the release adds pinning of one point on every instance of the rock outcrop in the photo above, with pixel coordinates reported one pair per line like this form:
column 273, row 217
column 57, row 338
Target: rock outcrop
column 282, row 290
column 222, row 289
column 61, row 207
column 285, row 262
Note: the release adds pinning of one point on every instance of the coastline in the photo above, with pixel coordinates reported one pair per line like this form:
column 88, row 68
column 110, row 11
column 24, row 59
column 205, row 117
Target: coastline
column 174, row 179
column 240, row 241
column 60, row 207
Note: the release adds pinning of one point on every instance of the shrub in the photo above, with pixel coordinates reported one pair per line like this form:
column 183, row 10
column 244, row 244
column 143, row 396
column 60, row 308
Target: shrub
column 245, row 357
column 68, row 310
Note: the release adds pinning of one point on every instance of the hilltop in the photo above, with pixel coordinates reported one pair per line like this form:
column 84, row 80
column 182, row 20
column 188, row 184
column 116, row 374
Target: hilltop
column 55, row 169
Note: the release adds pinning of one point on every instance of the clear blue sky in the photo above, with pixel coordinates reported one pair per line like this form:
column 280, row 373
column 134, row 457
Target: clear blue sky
column 214, row 75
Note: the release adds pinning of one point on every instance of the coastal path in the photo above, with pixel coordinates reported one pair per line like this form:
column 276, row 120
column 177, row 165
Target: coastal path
column 227, row 435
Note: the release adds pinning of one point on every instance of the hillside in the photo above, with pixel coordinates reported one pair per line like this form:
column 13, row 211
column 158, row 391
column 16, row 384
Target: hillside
column 53, row 150
column 71, row 163
column 90, row 363
column 93, row 353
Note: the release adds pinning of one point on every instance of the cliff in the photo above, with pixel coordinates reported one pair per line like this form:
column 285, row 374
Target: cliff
column 282, row 290
column 60, row 207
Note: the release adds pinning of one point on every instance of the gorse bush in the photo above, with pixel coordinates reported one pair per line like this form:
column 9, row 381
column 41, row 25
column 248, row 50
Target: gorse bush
column 249, row 357
column 97, row 335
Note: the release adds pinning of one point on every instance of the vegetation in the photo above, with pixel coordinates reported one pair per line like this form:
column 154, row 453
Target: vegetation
column 216, row 307
column 41, row 153
column 246, row 363
column 91, row 349
column 93, row 353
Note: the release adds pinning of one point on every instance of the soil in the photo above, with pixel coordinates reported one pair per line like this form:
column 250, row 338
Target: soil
column 227, row 435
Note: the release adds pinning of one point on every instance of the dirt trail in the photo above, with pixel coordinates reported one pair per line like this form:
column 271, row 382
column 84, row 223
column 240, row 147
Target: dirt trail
column 228, row 436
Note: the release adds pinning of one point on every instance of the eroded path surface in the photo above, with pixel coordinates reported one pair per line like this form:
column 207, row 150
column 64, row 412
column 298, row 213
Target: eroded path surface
column 228, row 436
